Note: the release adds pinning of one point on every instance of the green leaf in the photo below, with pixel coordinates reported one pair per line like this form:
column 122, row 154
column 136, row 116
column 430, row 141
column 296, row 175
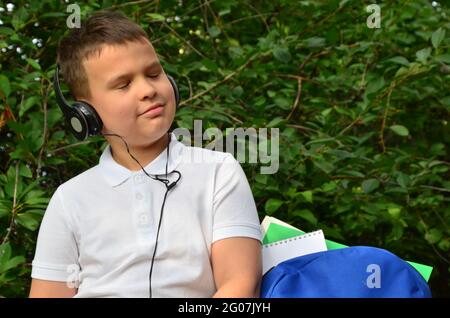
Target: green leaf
column 233, row 42
column 261, row 178
column 315, row 42
column 19, row 18
column 29, row 102
column 6, row 31
column 156, row 17
column 24, row 171
column 433, row 236
column 375, row 85
column 352, row 173
column 55, row 161
column 224, row 12
column 396, row 190
column 342, row 3
column 446, row 101
column 214, row 31
column 276, row 122
column 238, row 91
column 324, row 165
column 329, row 186
column 437, row 149
column 4, row 85
column 5, row 253
column 35, row 194
column 12, row 263
column 332, row 233
column 282, row 54
column 53, row 15
column 5, row 208
column 422, row 55
column 272, row 205
column 394, row 212
column 403, row 180
column 444, row 244
column 308, row 195
column 28, row 189
column 209, row 65
column 399, row 60
column 37, row 201
column 205, row 85
column 235, row 52
column 444, row 58
column 396, row 233
column 341, row 154
column 34, row 64
column 400, row 130
column 306, row 215
column 54, row 116
column 437, row 37
column 28, row 221
column 283, row 103
column 370, row 185
column 321, row 141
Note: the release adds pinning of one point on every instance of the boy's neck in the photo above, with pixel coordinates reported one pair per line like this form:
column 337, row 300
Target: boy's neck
column 144, row 155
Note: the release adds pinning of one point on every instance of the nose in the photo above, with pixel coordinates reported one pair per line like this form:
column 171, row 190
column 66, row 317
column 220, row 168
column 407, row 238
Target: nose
column 147, row 89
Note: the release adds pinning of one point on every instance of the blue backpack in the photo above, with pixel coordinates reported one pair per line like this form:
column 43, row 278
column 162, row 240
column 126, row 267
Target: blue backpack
column 358, row 271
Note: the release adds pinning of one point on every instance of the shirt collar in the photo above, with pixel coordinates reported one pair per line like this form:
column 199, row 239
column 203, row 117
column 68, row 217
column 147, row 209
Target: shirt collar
column 116, row 174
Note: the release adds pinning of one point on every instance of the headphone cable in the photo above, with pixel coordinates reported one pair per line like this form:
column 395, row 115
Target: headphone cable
column 168, row 188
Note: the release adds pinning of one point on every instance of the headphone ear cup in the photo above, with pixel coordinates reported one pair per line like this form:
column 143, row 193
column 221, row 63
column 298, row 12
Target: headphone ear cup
column 76, row 123
column 175, row 90
column 85, row 122
column 93, row 120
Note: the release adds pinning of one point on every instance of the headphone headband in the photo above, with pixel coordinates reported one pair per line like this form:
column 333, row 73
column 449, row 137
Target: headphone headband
column 59, row 96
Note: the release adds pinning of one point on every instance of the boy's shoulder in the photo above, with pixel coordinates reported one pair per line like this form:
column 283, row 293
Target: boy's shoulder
column 83, row 180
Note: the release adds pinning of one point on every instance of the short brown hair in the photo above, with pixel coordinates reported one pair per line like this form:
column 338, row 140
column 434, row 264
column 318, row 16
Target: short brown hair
column 103, row 27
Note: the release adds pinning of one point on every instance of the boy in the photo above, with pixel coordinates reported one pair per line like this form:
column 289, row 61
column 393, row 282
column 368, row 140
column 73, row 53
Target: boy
column 104, row 233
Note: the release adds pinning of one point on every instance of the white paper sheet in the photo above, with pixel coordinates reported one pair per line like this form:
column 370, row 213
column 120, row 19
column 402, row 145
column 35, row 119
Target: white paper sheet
column 277, row 252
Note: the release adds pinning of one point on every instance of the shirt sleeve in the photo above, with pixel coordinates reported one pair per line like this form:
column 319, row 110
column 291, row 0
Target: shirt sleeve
column 234, row 207
column 56, row 256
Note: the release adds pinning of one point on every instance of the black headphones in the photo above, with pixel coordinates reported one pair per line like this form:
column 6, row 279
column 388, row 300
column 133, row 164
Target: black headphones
column 82, row 119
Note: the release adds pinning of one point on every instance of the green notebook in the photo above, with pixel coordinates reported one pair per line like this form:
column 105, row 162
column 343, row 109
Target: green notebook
column 276, row 232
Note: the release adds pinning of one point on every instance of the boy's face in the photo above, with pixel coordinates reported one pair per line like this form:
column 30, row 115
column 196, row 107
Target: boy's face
column 124, row 81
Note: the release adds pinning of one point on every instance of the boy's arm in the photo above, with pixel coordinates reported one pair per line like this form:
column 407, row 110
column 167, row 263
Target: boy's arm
column 50, row 289
column 237, row 268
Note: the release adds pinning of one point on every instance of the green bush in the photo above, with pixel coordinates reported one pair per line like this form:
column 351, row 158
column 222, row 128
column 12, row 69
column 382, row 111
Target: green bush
column 362, row 112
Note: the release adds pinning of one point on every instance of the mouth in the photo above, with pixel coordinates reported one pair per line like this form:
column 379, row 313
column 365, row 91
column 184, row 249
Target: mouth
column 153, row 110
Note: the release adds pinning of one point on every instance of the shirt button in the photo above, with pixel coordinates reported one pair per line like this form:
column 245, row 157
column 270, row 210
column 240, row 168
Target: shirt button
column 143, row 219
column 138, row 196
column 137, row 179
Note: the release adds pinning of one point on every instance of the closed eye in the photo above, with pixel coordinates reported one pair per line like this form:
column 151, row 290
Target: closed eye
column 128, row 83
column 153, row 75
column 124, row 86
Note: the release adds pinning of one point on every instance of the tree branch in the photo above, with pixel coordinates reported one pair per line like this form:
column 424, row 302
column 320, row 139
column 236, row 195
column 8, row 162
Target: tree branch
column 13, row 212
column 383, row 123
column 183, row 40
column 297, row 98
column 226, row 78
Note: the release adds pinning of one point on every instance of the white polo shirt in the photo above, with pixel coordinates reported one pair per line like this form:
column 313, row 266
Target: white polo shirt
column 103, row 222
